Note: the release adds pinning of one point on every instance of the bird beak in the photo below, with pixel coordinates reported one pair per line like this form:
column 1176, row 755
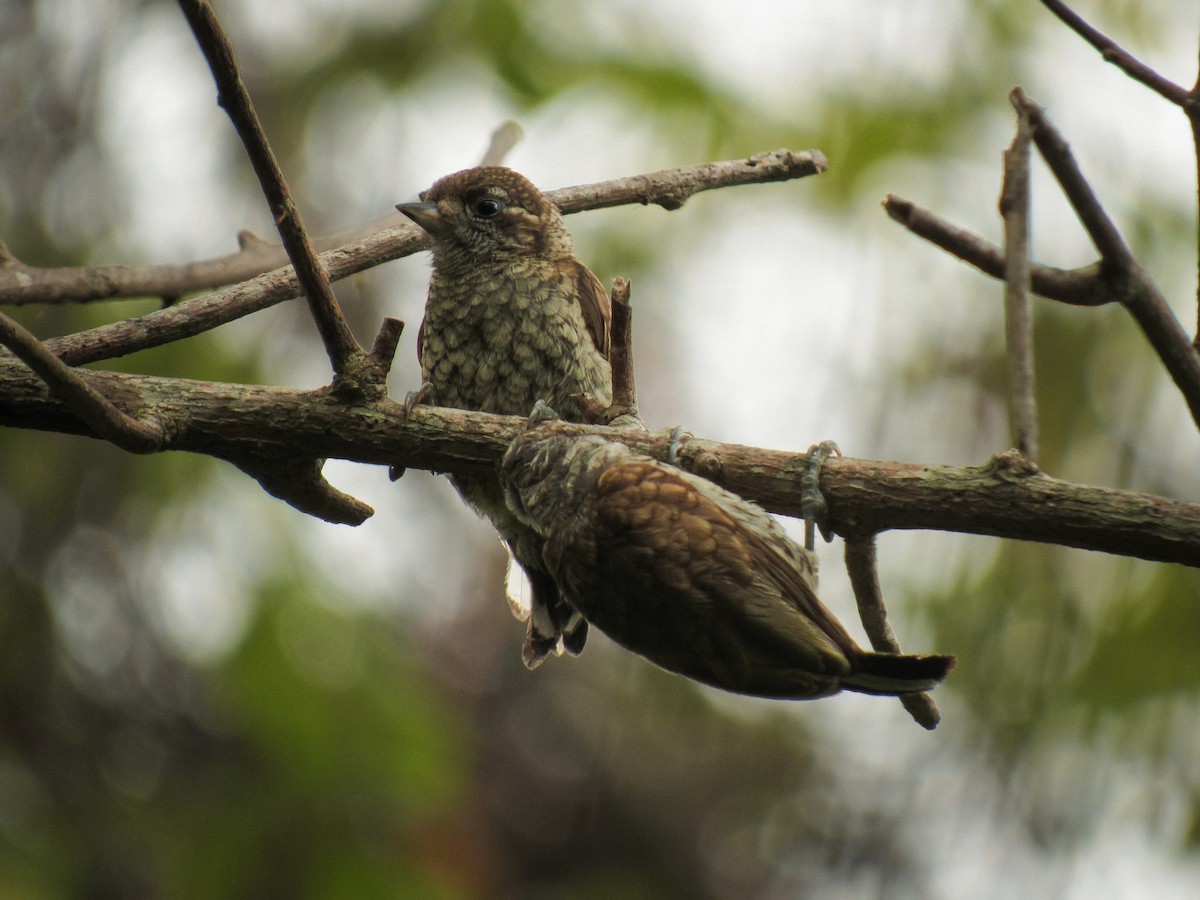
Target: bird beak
column 427, row 216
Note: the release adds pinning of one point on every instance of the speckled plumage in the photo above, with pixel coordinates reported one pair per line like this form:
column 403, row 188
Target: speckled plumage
column 689, row 575
column 512, row 317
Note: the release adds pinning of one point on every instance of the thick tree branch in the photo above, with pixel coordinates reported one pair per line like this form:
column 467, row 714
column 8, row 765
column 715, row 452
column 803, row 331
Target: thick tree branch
column 235, row 99
column 1006, row 498
column 138, row 434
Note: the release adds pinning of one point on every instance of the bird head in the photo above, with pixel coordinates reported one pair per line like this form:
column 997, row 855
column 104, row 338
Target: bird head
column 489, row 212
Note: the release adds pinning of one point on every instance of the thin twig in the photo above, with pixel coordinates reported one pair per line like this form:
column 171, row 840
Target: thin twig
column 196, row 315
column 503, row 140
column 386, row 238
column 1077, row 287
column 1117, row 277
column 1014, row 207
column 1117, row 55
column 235, row 99
column 1187, row 100
column 624, row 385
column 671, row 188
column 1114, row 252
column 383, row 351
column 138, row 435
column 1193, row 113
column 862, row 566
column 1055, row 150
column 1137, row 290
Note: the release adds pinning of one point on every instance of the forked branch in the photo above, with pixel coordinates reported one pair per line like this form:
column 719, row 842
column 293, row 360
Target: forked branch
column 1116, row 278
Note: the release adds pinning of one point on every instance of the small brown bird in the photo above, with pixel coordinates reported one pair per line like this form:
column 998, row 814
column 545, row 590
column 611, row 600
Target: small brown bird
column 690, row 576
column 512, row 317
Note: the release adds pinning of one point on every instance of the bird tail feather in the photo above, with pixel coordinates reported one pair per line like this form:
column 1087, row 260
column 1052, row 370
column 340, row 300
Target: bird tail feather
column 897, row 673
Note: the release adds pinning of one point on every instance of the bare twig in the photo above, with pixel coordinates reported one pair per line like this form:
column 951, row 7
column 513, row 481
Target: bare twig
column 1187, row 100
column 1077, row 287
column 300, row 483
column 863, row 568
column 1007, row 497
column 1116, row 278
column 383, row 351
column 1014, row 207
column 624, row 385
column 136, row 434
column 1138, row 292
column 21, row 284
column 1193, row 112
column 1117, row 55
column 389, row 237
column 503, row 140
column 671, row 188
column 199, row 314
column 233, row 96
column 1114, row 252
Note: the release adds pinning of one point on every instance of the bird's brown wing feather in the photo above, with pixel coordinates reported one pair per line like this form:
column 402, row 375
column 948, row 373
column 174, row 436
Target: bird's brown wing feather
column 796, row 589
column 596, row 308
column 704, row 536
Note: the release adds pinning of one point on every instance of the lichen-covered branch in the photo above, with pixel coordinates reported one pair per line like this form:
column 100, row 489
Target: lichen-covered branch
column 1007, row 497
column 136, row 433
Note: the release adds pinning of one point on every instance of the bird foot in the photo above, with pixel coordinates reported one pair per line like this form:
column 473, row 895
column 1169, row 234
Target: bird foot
column 422, row 396
column 678, row 435
column 541, row 413
column 812, row 501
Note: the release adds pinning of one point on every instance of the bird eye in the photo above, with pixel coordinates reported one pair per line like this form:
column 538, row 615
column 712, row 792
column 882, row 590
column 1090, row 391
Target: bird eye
column 486, row 207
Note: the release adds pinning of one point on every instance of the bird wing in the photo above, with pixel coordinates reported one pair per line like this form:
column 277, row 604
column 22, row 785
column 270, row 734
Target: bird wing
column 596, row 308
column 696, row 538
